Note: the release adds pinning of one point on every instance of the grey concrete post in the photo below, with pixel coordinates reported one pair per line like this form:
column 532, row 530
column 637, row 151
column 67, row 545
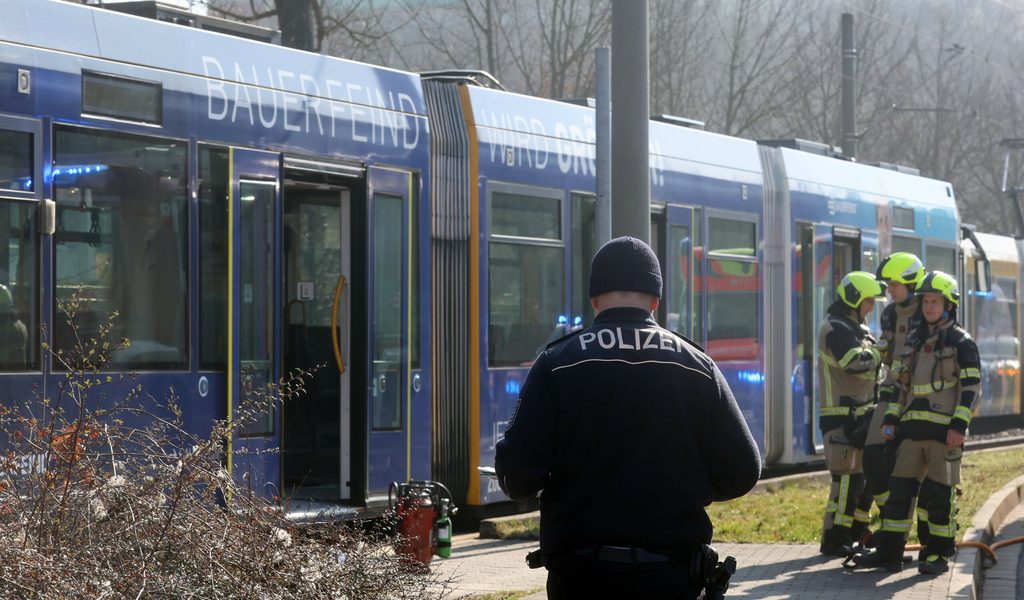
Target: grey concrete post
column 631, row 187
column 604, row 146
column 849, row 87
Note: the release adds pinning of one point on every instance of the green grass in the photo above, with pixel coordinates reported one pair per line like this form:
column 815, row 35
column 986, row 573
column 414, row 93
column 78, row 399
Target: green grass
column 506, row 595
column 793, row 513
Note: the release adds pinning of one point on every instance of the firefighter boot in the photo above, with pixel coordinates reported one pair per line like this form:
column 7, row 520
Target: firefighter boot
column 933, row 565
column 886, row 555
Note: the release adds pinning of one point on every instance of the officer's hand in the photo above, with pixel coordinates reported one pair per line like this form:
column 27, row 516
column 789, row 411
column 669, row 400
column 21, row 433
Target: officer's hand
column 888, row 431
column 954, row 439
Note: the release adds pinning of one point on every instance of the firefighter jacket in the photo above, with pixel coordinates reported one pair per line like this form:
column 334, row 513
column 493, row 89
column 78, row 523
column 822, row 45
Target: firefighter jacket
column 940, row 384
column 847, row 368
column 630, row 430
column 897, row 321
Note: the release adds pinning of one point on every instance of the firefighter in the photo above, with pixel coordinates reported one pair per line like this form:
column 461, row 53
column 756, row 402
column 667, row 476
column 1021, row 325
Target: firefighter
column 631, row 431
column 937, row 385
column 849, row 365
column 901, row 272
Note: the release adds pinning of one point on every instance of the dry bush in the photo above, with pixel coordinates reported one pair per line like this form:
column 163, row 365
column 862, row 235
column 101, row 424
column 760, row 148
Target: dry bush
column 123, row 502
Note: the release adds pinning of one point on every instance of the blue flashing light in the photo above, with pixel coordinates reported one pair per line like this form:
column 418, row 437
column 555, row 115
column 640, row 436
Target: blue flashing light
column 577, row 321
column 755, row 377
column 70, row 172
column 563, row 320
column 512, row 387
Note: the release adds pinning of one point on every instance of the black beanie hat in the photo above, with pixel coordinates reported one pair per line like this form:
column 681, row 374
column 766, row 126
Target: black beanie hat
column 625, row 264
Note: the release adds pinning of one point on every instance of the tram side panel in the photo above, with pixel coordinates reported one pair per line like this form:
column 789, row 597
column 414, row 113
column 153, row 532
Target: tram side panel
column 127, row 169
column 844, row 217
column 992, row 319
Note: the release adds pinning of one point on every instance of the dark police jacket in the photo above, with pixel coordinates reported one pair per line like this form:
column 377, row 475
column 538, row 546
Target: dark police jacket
column 631, row 431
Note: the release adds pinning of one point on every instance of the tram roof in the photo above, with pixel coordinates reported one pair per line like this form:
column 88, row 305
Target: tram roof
column 822, row 173
column 89, row 31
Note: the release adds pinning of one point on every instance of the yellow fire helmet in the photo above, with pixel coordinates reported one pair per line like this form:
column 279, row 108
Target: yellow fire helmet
column 858, row 285
column 901, row 267
column 944, row 284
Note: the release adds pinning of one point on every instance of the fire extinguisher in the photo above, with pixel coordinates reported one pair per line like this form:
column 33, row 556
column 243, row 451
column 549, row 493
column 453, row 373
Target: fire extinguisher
column 423, row 510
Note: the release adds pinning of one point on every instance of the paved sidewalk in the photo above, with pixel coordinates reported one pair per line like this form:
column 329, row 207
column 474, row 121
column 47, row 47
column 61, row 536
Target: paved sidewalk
column 766, row 571
column 1004, row 579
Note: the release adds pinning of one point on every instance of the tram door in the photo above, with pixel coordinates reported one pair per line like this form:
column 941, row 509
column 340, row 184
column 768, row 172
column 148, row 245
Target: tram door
column 316, row 291
column 683, row 310
column 252, row 343
column 836, row 253
column 391, row 384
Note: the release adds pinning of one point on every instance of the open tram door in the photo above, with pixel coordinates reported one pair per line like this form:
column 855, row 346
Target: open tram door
column 394, row 386
column 317, row 293
column 836, row 251
column 253, row 203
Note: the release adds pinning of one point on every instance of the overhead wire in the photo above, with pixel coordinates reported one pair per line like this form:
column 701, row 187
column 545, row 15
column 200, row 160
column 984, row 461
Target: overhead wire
column 905, row 92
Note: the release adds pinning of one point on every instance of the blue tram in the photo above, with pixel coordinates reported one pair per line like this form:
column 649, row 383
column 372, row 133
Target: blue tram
column 753, row 238
column 250, row 209
column 247, row 210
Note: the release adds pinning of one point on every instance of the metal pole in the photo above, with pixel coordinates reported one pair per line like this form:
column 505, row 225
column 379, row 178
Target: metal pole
column 631, row 186
column 604, row 146
column 849, row 88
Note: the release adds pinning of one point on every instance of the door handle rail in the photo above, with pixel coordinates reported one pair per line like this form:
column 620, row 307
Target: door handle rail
column 335, row 337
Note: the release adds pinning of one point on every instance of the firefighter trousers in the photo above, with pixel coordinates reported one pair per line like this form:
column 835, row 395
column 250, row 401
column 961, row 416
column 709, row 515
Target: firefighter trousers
column 931, row 470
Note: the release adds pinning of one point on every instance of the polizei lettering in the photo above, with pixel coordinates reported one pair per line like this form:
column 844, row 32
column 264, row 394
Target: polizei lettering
column 639, row 339
column 247, row 95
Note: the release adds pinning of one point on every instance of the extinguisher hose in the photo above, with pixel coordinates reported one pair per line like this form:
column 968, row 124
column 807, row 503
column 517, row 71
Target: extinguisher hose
column 988, row 549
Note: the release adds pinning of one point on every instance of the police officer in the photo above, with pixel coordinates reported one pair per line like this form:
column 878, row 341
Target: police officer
column 938, row 384
column 901, row 272
column 630, row 430
column 848, row 364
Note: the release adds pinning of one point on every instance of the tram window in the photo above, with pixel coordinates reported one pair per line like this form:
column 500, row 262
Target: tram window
column 869, row 263
column 526, row 275
column 903, row 217
column 213, row 258
column 526, row 216
column 679, row 293
column 584, row 246
column 732, row 290
column 940, row 258
column 388, row 319
column 122, row 223
column 19, row 289
column 16, row 161
column 526, row 299
column 697, row 316
column 906, row 244
column 414, row 293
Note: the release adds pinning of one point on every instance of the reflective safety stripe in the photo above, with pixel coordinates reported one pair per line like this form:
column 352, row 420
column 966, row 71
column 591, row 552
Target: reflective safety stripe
column 946, row 530
column 927, row 415
column 861, row 516
column 842, row 519
column 896, row 525
column 863, row 409
column 923, row 389
column 963, row 413
column 835, row 411
column 881, row 499
column 894, row 409
column 922, row 514
column 849, row 356
column 970, row 372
